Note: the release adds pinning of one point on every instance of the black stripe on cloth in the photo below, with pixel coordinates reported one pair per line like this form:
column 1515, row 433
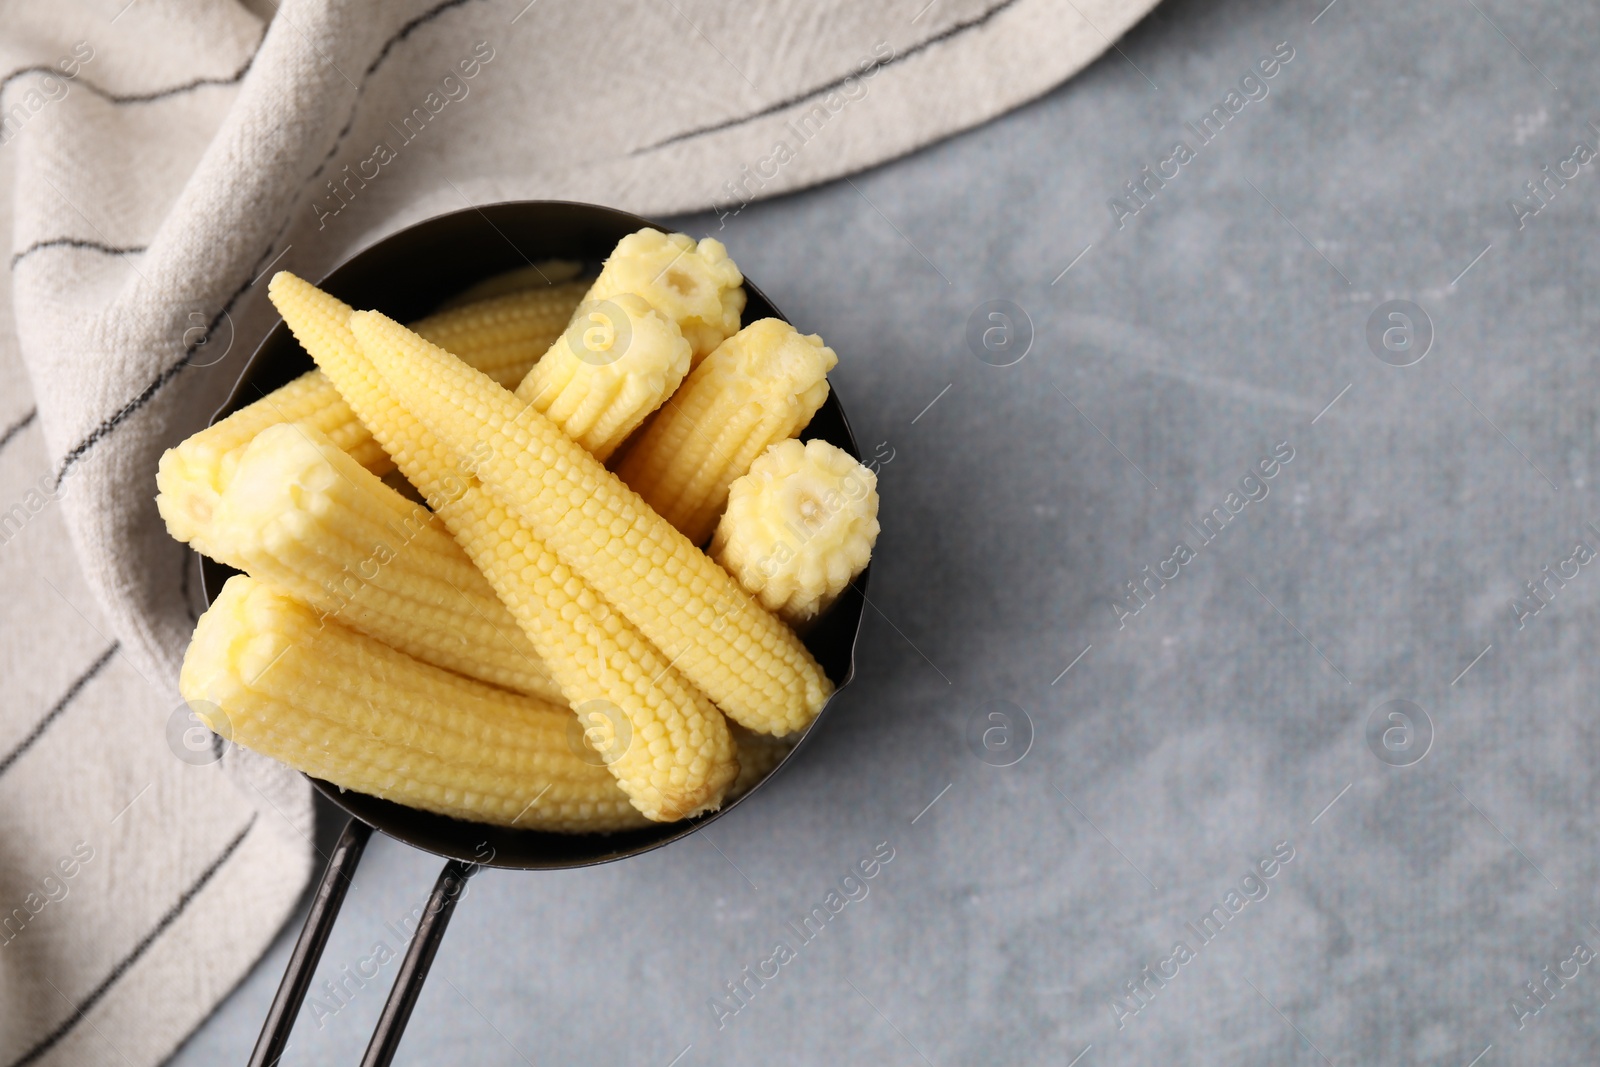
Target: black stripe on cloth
column 21, row 71
column 122, row 414
column 94, row 996
column 131, row 407
column 383, row 53
column 406, row 31
column 74, row 242
column 771, row 109
column 59, row 706
column 81, row 449
column 18, row 426
column 140, row 98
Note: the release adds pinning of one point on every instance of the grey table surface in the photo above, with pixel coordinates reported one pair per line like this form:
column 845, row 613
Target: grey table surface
column 1439, row 860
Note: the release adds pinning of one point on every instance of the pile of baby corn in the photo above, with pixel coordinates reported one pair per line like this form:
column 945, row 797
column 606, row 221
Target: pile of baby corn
column 545, row 644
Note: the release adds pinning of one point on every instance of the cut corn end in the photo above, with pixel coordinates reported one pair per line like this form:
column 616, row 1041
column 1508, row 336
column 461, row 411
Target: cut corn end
column 695, row 284
column 799, row 527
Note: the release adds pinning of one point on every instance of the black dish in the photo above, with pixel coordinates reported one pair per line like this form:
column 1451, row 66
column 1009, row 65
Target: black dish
column 406, row 276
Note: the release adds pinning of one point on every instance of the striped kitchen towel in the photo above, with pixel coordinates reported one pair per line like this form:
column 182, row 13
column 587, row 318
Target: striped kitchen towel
column 158, row 159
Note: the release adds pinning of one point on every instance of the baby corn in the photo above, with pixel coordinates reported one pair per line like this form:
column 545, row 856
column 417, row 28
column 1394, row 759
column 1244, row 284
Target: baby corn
column 502, row 337
column 761, row 385
column 759, row 754
column 303, row 515
column 539, row 275
column 191, row 477
column 616, row 362
column 742, row 657
column 695, row 285
column 265, row 672
column 678, row 757
column 799, row 527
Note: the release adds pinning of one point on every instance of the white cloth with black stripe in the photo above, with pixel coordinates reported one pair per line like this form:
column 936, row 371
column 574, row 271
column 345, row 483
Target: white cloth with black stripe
column 157, row 157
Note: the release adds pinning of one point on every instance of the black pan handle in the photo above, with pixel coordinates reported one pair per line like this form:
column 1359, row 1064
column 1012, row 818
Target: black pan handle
column 419, row 958
column 313, row 939
column 325, row 906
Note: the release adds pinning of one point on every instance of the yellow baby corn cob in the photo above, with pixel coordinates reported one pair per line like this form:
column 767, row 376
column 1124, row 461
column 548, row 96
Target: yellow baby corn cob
column 539, row 275
column 759, row 754
column 503, row 337
column 799, row 527
column 667, row 745
column 761, row 385
column 695, row 285
column 742, row 657
column 679, row 758
column 303, row 515
column 191, row 477
column 615, row 364
column 266, row 673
